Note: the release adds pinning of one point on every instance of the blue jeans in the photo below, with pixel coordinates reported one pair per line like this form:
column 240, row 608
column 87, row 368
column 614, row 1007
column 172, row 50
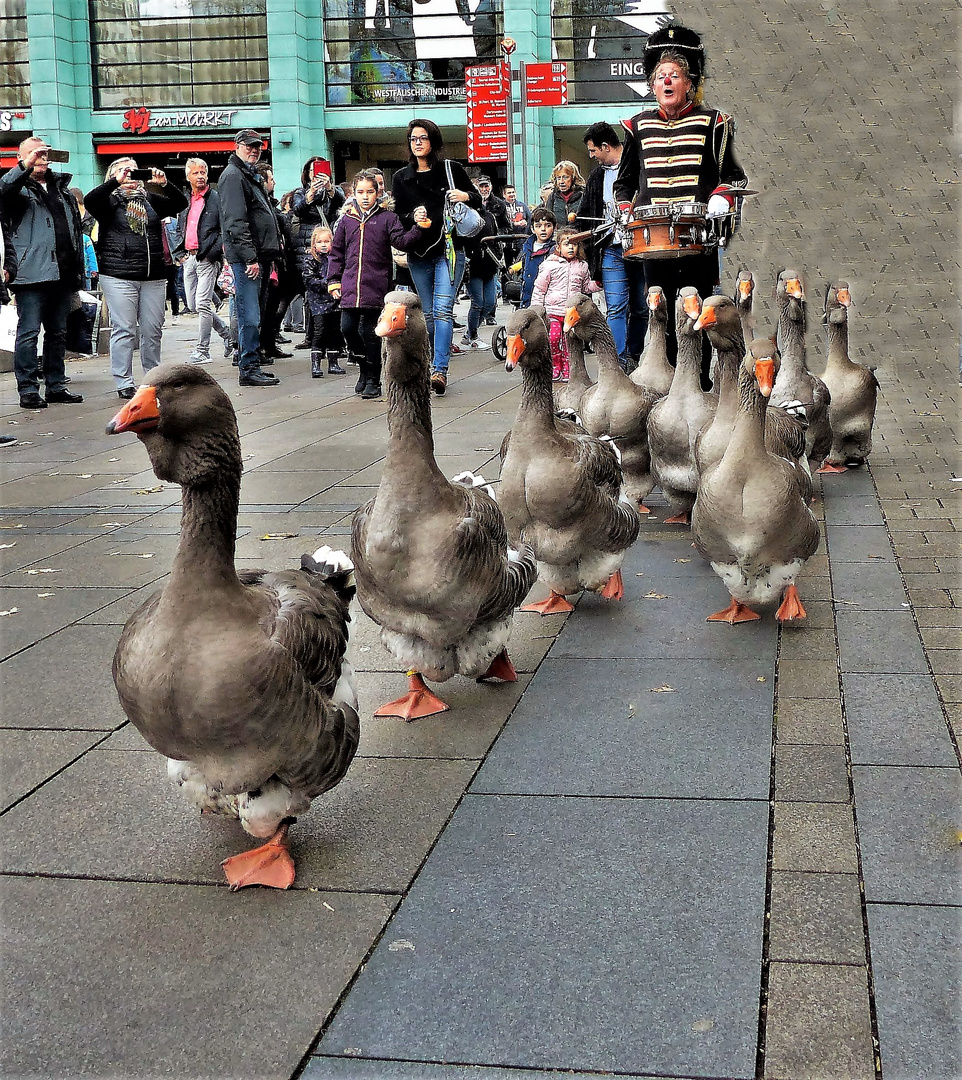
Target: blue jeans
column 437, row 292
column 484, row 302
column 47, row 304
column 249, row 300
column 624, row 285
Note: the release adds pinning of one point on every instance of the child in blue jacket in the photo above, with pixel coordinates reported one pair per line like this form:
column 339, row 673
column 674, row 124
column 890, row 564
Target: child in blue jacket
column 535, row 250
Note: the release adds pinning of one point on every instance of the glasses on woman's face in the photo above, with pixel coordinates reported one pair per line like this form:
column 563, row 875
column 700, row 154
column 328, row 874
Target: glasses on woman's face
column 420, row 138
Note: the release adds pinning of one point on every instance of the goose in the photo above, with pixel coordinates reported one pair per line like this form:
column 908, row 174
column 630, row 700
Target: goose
column 561, row 491
column 676, row 419
column 614, row 406
column 751, row 520
column 568, row 394
column 795, row 382
column 240, row 680
column 744, row 302
column 654, row 370
column 784, row 432
column 431, row 556
column 853, row 387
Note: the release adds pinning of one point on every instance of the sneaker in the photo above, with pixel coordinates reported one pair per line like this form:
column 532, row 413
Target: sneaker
column 439, row 383
column 466, row 341
column 230, row 349
column 175, row 319
column 198, row 358
column 125, row 393
column 456, row 349
column 490, row 321
column 479, row 344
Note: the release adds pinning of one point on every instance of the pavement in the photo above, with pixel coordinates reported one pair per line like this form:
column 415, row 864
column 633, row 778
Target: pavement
column 672, row 848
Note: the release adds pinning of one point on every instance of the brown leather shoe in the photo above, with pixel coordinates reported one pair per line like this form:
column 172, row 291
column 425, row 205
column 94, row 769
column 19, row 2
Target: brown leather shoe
column 439, row 383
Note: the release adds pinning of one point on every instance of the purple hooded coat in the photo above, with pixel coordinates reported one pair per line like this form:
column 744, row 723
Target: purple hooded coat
column 361, row 254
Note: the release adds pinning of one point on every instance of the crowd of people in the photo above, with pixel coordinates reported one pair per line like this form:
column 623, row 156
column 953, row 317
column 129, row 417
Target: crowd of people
column 343, row 247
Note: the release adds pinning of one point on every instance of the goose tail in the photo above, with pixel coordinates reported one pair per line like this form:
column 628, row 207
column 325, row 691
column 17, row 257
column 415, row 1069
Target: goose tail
column 335, row 568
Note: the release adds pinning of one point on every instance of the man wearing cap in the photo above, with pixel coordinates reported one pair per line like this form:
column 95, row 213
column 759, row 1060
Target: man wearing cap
column 679, row 152
column 252, row 242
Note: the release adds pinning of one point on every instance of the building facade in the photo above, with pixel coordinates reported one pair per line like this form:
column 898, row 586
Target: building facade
column 163, row 80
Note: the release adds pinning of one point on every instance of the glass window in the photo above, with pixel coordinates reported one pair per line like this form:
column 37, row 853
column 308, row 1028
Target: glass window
column 178, row 52
column 14, row 60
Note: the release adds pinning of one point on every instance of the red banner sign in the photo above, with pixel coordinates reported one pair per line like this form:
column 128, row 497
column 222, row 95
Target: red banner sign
column 486, row 91
column 546, row 84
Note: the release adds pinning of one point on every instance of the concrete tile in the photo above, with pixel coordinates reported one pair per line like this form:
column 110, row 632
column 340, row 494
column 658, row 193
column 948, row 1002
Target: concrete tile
column 27, row 758
column 127, row 738
column 119, row 611
column 916, row 974
column 908, row 823
column 20, row 551
column 807, row 679
column 45, row 685
column 950, row 687
column 519, row 943
column 852, row 510
column 859, row 544
column 820, row 617
column 800, row 642
column 819, row 1024
column 38, row 616
column 895, row 720
column 814, row 720
column 814, row 838
column 872, row 643
column 947, row 617
column 874, row 585
column 345, row 1068
column 945, row 661
column 941, row 638
column 265, row 485
column 71, row 940
column 116, row 815
column 856, row 481
column 615, row 736
column 810, row 773
column 106, row 561
column 816, row 919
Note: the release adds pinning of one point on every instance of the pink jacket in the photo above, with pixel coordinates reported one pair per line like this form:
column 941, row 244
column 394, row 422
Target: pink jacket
column 557, row 279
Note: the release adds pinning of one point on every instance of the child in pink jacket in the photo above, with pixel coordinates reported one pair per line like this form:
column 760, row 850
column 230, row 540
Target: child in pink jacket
column 561, row 274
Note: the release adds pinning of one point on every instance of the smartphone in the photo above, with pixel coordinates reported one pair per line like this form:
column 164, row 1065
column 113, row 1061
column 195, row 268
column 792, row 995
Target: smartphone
column 140, row 174
column 320, row 167
column 61, row 156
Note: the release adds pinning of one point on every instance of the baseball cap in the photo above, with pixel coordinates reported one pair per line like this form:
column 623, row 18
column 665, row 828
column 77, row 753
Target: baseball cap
column 248, row 136
column 483, row 180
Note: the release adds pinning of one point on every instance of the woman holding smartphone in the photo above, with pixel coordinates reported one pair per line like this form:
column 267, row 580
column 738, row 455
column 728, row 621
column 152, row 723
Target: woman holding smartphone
column 130, row 207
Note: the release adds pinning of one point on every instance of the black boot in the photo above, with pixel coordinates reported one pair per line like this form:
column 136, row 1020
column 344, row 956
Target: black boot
column 333, row 367
column 361, row 375
column 317, row 364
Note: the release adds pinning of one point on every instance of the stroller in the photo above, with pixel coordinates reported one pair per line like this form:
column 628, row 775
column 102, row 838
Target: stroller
column 510, row 292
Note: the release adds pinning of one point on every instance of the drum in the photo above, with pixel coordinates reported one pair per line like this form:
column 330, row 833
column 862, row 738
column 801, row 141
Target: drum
column 666, row 232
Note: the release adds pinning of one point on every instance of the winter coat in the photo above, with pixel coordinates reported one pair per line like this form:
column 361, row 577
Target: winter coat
column 248, row 225
column 209, row 243
column 122, row 253
column 29, row 226
column 530, row 265
column 482, row 259
column 562, row 207
column 361, row 254
column 590, row 213
column 557, row 279
column 315, row 275
column 412, row 189
column 306, row 216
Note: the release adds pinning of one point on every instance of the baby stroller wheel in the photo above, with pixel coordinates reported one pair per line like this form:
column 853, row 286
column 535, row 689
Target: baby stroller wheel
column 499, row 344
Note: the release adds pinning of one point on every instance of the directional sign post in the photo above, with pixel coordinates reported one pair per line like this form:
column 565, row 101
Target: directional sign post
column 487, row 89
column 546, row 84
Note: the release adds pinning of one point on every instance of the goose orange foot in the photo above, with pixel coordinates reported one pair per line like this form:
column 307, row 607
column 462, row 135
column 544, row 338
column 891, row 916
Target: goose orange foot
column 791, row 606
column 555, row 604
column 735, row 613
column 270, row 864
column 684, row 518
column 501, row 668
column 827, row 468
column 615, row 588
column 642, row 509
column 417, row 702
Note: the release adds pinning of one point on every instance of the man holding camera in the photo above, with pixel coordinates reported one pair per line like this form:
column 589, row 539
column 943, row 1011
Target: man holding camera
column 42, row 220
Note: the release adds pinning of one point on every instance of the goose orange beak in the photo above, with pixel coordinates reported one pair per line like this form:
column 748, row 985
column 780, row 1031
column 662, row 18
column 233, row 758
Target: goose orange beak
column 515, row 351
column 744, row 289
column 706, row 318
column 139, row 414
column 765, row 375
column 692, row 307
column 572, row 318
column 794, row 288
column 844, row 297
column 393, row 321
column 655, row 301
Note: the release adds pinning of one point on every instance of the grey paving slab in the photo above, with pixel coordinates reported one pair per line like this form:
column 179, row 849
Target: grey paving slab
column 114, row 814
column 339, row 1068
column 874, row 585
column 21, row 551
column 813, row 720
column 916, row 973
column 27, row 758
column 870, row 643
column 264, row 486
column 853, row 510
column 131, row 560
column 814, row 838
column 807, row 679
column 44, row 608
column 908, row 823
column 539, row 925
column 896, row 720
column 801, row 642
column 859, row 543
column 63, row 682
column 816, row 918
column 120, row 610
column 602, row 728
column 854, row 482
column 175, row 981
column 810, row 773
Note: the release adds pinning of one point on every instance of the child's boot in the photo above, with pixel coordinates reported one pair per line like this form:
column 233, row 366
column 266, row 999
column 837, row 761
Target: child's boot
column 317, row 364
column 333, row 367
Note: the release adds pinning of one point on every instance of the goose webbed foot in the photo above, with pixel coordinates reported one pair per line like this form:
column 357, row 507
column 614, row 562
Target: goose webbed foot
column 641, row 508
column 736, row 612
column 615, row 588
column 791, row 606
column 554, row 605
column 417, row 702
column 270, row 864
column 829, row 468
column 501, row 668
column 684, row 518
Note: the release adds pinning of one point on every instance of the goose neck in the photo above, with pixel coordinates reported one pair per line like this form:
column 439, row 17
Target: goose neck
column 208, row 529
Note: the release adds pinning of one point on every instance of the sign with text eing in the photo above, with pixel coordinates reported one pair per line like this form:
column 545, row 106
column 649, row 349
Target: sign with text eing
column 487, row 87
column 546, row 84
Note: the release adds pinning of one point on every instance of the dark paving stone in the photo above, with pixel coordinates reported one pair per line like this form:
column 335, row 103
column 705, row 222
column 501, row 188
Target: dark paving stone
column 64, row 682
column 810, row 721
column 814, row 838
column 895, row 720
column 874, row 585
column 175, row 981
column 856, row 481
column 871, row 642
column 916, row 972
column 38, row 616
column 807, row 679
column 587, row 728
column 27, row 758
column 859, row 543
column 908, row 823
column 853, row 510
column 116, row 815
column 539, row 925
column 339, row 1068
column 816, row 918
column 810, row 773
column 20, row 551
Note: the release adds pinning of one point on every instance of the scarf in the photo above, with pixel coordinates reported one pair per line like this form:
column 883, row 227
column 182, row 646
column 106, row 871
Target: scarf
column 136, row 209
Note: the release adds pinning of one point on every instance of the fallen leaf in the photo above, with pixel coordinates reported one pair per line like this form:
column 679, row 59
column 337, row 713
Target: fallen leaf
column 4, row 546
column 657, row 596
column 703, row 1025
column 327, row 905
column 876, row 556
column 663, row 689
column 134, row 554
column 9, row 611
column 761, row 678
column 639, row 575
column 85, row 475
column 682, row 560
column 278, row 536
column 113, row 459
column 112, row 524
column 484, row 449
column 149, row 491
column 125, row 480
column 11, row 526
column 44, row 595
column 42, row 570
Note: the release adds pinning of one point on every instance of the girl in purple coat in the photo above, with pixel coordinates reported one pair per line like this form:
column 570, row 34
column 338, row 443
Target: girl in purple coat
column 359, row 273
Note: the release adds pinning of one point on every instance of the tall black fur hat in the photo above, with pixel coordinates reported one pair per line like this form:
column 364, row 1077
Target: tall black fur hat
column 675, row 38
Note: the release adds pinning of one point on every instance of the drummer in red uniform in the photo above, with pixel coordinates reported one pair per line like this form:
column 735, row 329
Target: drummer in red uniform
column 679, row 152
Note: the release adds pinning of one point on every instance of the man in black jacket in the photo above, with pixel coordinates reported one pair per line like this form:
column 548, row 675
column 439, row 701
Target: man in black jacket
column 42, row 221
column 252, row 242
column 200, row 251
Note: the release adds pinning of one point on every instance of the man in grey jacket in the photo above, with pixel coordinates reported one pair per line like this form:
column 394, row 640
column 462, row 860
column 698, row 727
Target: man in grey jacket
column 42, row 220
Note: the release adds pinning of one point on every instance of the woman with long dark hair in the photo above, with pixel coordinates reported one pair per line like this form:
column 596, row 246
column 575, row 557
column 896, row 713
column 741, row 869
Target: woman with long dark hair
column 420, row 190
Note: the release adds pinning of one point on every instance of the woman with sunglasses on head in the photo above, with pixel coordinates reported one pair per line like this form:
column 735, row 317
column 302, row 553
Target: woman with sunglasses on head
column 420, row 190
